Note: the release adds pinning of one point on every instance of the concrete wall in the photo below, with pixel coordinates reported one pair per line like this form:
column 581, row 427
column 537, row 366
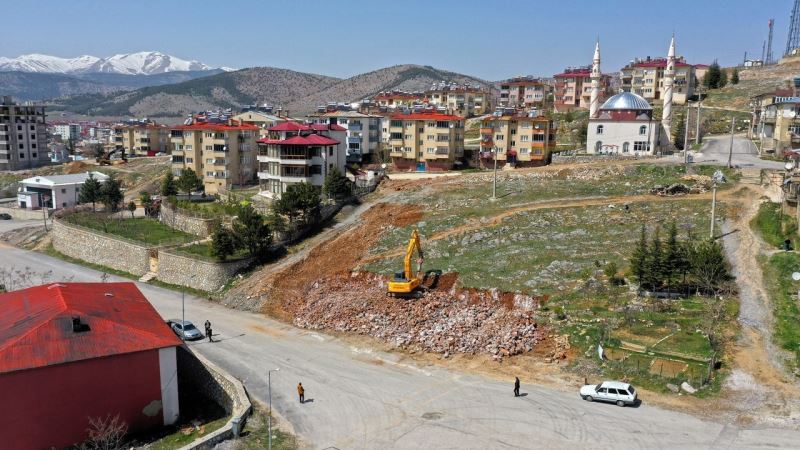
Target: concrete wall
column 209, row 276
column 175, row 218
column 11, row 208
column 96, row 248
column 563, row 159
column 197, row 374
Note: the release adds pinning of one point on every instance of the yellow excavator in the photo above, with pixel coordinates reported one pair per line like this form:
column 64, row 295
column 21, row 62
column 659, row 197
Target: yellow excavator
column 406, row 283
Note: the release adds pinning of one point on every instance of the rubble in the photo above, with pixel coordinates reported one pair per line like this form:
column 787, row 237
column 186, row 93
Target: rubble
column 444, row 320
column 672, row 189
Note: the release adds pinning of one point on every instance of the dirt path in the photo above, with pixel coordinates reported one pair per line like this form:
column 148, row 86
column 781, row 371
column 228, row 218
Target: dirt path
column 761, row 390
column 497, row 219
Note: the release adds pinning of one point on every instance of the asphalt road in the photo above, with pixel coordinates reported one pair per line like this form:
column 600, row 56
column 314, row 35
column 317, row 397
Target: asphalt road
column 366, row 399
column 715, row 151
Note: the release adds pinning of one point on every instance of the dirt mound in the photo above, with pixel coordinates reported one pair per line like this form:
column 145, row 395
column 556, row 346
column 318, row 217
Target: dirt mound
column 75, row 167
column 443, row 321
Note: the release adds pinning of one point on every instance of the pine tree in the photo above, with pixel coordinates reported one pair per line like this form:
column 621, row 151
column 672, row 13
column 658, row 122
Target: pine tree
column 111, row 193
column 336, row 185
column 188, row 181
column 639, row 259
column 655, row 262
column 132, row 208
column 679, row 130
column 674, row 257
column 90, row 191
column 708, row 265
column 168, row 187
column 251, row 231
column 223, row 243
column 723, row 78
column 712, row 77
column 735, row 76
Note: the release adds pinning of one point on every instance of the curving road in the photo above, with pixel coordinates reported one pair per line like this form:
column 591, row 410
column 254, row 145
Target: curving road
column 364, row 399
column 716, row 149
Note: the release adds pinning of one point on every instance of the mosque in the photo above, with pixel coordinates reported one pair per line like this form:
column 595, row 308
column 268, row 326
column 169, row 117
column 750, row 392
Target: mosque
column 624, row 124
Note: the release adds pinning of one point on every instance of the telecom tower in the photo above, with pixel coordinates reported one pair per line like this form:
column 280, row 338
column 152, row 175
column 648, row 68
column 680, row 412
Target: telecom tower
column 793, row 41
column 769, row 40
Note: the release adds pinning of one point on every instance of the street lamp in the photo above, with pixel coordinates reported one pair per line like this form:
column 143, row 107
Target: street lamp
column 494, row 183
column 269, row 418
column 183, row 311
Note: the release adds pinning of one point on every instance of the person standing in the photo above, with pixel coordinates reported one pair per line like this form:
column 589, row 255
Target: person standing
column 516, row 387
column 301, row 392
column 209, row 331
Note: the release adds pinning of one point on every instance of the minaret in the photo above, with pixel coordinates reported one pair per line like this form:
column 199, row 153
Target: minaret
column 594, row 103
column 669, row 80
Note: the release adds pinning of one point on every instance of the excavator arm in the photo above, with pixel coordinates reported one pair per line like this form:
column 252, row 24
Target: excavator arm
column 413, row 243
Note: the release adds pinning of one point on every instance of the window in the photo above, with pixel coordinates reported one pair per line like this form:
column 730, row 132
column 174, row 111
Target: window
column 431, row 137
column 63, row 191
column 431, row 150
column 315, row 170
column 641, row 146
column 33, row 127
column 330, row 151
column 643, row 130
column 33, row 145
column 21, row 146
column 612, row 391
column 498, row 137
column 600, row 129
column 22, row 156
column 19, row 136
column 396, row 136
column 597, row 146
column 64, row 205
column 538, row 138
column 33, row 155
column 513, row 143
column 19, row 127
column 622, row 392
column 626, row 147
column 407, row 136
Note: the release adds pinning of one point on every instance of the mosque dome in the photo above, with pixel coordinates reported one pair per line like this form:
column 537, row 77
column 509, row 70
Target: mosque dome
column 626, row 100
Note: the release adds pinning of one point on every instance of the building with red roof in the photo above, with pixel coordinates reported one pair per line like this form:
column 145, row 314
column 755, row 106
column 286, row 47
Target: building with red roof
column 522, row 140
column 221, row 153
column 645, row 77
column 363, row 131
column 141, row 138
column 425, row 141
column 299, row 153
column 524, row 93
column 74, row 351
column 573, row 88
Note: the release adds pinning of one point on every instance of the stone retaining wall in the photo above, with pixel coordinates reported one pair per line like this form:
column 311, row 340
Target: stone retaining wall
column 184, row 221
column 577, row 159
column 197, row 374
column 102, row 249
column 174, row 268
column 22, row 213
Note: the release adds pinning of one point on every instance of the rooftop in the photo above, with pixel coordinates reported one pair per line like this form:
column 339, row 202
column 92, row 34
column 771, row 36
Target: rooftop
column 37, row 329
column 53, row 180
column 626, row 100
column 214, row 126
column 310, row 139
column 425, row 116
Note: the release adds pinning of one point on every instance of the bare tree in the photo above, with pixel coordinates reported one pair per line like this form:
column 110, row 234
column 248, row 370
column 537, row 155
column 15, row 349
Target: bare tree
column 14, row 279
column 105, row 434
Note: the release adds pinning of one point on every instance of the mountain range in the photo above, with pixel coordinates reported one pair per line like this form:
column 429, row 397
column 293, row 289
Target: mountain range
column 139, row 63
column 296, row 92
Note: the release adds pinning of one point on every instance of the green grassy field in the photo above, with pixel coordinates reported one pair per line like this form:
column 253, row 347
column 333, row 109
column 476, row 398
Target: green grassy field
column 141, row 229
column 784, row 293
column 767, row 224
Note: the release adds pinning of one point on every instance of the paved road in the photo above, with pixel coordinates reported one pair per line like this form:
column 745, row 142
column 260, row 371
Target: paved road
column 366, row 400
column 715, row 151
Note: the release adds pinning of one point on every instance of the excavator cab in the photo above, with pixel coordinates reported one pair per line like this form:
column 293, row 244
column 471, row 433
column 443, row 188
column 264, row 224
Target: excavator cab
column 405, row 283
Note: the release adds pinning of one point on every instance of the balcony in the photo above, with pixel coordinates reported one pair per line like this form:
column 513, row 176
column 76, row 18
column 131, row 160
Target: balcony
column 354, row 140
column 354, row 126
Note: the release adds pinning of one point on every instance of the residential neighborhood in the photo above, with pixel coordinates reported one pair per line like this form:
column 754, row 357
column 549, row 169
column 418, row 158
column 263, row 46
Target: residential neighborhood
column 317, row 233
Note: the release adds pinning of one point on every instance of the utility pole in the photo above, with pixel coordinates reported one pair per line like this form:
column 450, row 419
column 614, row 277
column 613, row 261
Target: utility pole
column 730, row 149
column 494, row 183
column 269, row 418
column 697, row 130
column 713, row 208
column 686, row 131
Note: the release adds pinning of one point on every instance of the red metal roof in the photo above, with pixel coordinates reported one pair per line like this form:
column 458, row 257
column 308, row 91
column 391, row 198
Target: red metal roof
column 36, row 324
column 425, row 116
column 311, row 139
column 326, row 127
column 290, row 126
column 658, row 62
column 575, row 74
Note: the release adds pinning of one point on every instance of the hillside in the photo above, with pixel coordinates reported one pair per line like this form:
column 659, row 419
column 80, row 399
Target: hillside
column 297, row 92
column 40, row 86
column 753, row 81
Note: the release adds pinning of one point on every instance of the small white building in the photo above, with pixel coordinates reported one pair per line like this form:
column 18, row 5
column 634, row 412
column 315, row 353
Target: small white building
column 53, row 191
column 624, row 125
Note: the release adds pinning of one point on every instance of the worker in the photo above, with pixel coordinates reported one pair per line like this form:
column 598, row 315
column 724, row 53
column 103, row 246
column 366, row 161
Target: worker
column 516, row 387
column 301, row 392
column 209, row 332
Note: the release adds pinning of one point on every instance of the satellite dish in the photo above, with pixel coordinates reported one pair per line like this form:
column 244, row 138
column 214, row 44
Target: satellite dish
column 796, row 276
column 383, row 166
column 789, row 165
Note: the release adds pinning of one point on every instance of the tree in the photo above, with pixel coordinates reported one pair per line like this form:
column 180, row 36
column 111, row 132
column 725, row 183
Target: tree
column 223, row 243
column 639, row 259
column 98, row 151
column 144, row 198
column 132, row 208
column 188, row 181
column 106, row 434
column 708, row 265
column 655, row 262
column 300, row 198
column 251, row 231
column 90, row 191
column 168, row 187
column 275, row 222
column 679, row 130
column 336, row 185
column 712, row 77
column 674, row 256
column 723, row 78
column 111, row 193
column 735, row 76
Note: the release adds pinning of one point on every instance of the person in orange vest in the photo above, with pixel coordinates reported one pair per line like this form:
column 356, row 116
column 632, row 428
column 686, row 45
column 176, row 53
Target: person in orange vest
column 301, row 391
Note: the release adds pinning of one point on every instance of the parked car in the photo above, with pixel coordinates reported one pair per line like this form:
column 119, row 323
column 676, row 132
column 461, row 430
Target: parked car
column 5, row 216
column 610, row 391
column 185, row 328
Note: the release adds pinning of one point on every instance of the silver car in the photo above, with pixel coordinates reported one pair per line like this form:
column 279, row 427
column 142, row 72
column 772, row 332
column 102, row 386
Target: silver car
column 610, row 391
column 185, row 329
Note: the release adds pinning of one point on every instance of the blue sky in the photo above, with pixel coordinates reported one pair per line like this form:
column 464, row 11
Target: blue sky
column 489, row 39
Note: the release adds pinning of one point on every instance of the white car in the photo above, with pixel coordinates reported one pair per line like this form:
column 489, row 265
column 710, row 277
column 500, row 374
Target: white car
column 610, row 391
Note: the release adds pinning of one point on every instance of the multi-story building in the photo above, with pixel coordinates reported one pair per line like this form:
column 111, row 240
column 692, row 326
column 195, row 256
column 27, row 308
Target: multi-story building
column 222, row 153
column 141, row 138
column 425, row 141
column 517, row 139
column 464, row 100
column 363, row 131
column 398, row 99
column 524, row 93
column 573, row 88
column 264, row 117
column 778, row 128
column 67, row 131
column 23, row 136
column 645, row 77
column 299, row 153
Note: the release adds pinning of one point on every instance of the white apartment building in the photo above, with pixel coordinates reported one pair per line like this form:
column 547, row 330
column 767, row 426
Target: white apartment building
column 67, row 131
column 363, row 132
column 54, row 191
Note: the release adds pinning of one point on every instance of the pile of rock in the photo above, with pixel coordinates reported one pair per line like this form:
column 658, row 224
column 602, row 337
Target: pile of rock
column 446, row 322
column 670, row 190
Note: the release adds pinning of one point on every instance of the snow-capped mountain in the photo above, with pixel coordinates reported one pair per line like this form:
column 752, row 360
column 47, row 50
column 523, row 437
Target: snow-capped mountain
column 140, row 63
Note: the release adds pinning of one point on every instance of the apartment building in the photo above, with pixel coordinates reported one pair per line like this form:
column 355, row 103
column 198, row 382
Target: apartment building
column 463, row 100
column 398, row 99
column 517, row 139
column 778, row 128
column 426, row 141
column 67, row 131
column 299, row 153
column 264, row 118
column 645, row 77
column 141, row 138
column 573, row 88
column 363, row 132
column 222, row 153
column 524, row 93
column 23, row 136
